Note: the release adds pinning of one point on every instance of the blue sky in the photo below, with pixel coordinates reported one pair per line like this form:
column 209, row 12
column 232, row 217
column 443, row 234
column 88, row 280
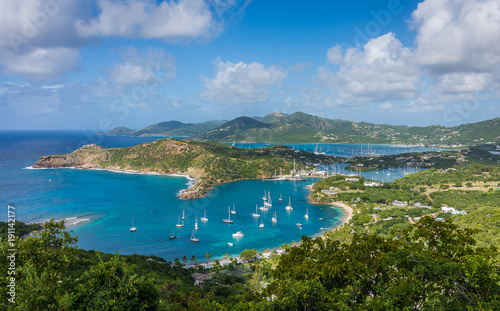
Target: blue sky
column 67, row 64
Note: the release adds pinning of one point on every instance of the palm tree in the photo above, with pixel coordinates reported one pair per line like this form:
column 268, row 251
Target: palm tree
column 208, row 255
column 177, row 261
column 193, row 258
column 226, row 256
column 184, row 259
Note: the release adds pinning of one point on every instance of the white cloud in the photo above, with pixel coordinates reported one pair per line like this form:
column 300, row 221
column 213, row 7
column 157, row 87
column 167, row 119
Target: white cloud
column 242, row 83
column 458, row 35
column 381, row 70
column 151, row 66
column 40, row 64
column 386, row 106
column 28, row 24
column 52, row 87
column 166, row 20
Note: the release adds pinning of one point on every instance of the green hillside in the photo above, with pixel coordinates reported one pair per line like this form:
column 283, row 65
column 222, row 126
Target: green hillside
column 168, row 128
column 210, row 162
column 300, row 127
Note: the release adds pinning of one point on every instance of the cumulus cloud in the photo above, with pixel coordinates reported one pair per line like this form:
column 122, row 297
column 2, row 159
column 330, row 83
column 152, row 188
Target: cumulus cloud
column 40, row 64
column 29, row 24
column 457, row 35
column 166, row 20
column 381, row 70
column 241, row 83
column 151, row 66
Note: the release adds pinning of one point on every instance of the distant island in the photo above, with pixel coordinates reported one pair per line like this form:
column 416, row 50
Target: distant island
column 210, row 163
column 300, row 127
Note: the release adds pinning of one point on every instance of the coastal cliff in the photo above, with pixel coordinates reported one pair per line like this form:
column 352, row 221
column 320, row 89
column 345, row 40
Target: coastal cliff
column 210, row 163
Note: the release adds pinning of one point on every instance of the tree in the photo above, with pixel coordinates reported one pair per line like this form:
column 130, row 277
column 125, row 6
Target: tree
column 112, row 285
column 184, row 259
column 468, row 184
column 208, row 255
column 193, row 258
column 248, row 254
column 41, row 261
column 429, row 265
column 177, row 262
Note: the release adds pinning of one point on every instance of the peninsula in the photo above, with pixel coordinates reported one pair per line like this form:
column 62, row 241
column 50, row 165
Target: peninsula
column 210, row 163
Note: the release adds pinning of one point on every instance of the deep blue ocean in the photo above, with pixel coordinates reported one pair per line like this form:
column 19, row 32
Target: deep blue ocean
column 110, row 200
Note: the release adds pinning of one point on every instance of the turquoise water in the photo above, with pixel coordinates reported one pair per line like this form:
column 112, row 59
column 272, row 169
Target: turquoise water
column 110, row 200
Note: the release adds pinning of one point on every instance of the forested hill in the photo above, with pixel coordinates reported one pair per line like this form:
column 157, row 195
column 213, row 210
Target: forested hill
column 304, row 128
column 168, row 128
column 210, row 162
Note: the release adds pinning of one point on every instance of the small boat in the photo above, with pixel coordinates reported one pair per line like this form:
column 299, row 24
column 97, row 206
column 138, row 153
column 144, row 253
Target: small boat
column 172, row 235
column 183, row 215
column 264, row 198
column 289, row 206
column 179, row 224
column 228, row 221
column 196, row 223
column 204, row 218
column 261, row 226
column 263, row 208
column 274, row 219
column 133, row 229
column 238, row 234
column 193, row 238
column 268, row 203
column 306, row 216
column 299, row 224
column 321, row 219
column 230, row 244
column 256, row 214
column 281, row 199
column 233, row 211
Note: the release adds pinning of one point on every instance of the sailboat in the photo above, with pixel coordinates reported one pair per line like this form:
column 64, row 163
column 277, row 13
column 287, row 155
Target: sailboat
column 264, row 198
column 193, row 238
column 261, row 226
column 196, row 223
column 268, row 203
column 289, row 206
column 172, row 235
column 306, row 216
column 274, row 219
column 183, row 215
column 281, row 199
column 233, row 211
column 179, row 224
column 256, row 214
column 132, row 229
column 228, row 221
column 204, row 218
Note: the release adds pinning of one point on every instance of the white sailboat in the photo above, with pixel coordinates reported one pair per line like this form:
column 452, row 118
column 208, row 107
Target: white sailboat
column 261, row 226
column 268, row 203
column 281, row 199
column 179, row 224
column 132, row 229
column 233, row 211
column 204, row 218
column 196, row 223
column 193, row 238
column 256, row 214
column 264, row 198
column 183, row 215
column 172, row 235
column 306, row 216
column 228, row 221
column 274, row 219
column 289, row 206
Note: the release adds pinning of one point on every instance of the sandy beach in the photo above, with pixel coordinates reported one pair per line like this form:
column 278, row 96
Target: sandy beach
column 348, row 212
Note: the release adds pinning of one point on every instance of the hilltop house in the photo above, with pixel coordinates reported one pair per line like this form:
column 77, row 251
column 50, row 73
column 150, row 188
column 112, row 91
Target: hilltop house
column 400, row 203
column 372, row 184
